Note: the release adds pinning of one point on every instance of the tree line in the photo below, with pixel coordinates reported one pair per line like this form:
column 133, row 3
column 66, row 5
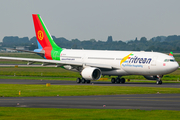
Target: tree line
column 158, row 44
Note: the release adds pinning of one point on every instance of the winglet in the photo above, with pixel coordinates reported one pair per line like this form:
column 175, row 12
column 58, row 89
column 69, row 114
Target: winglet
column 171, row 54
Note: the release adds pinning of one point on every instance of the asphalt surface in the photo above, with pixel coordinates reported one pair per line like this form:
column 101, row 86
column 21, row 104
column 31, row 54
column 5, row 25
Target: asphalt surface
column 143, row 102
column 59, row 82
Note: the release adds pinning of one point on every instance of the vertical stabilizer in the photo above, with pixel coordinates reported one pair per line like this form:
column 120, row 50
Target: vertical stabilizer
column 44, row 39
column 42, row 34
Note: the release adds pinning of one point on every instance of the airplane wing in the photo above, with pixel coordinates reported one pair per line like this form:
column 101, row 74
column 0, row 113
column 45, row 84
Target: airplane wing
column 61, row 63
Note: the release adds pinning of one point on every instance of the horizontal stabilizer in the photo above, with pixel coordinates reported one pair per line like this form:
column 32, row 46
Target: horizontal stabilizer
column 39, row 53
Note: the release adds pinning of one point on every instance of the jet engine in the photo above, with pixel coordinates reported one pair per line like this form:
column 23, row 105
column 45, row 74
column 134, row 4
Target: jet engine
column 91, row 73
column 153, row 77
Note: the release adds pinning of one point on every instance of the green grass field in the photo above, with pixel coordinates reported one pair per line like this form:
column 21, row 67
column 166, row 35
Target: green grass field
column 12, row 90
column 37, row 71
column 52, row 73
column 10, row 113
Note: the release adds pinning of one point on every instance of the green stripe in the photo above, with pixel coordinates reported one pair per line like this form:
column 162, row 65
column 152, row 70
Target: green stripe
column 55, row 54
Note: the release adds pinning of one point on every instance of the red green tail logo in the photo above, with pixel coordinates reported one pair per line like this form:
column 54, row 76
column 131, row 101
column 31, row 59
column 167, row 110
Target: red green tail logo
column 44, row 39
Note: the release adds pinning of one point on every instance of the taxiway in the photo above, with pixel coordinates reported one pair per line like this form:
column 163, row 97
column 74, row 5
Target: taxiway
column 143, row 102
column 99, row 83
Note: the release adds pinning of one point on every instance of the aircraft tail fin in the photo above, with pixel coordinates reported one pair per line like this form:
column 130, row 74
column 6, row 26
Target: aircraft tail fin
column 43, row 36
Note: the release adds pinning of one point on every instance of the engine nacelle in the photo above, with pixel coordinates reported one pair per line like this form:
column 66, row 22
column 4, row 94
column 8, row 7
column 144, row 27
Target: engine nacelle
column 91, row 73
column 153, row 77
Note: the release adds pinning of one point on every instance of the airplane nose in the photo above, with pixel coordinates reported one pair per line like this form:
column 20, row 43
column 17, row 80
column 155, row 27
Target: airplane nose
column 177, row 65
column 173, row 66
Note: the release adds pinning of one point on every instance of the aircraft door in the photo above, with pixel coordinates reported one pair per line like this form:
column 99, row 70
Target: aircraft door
column 84, row 58
column 153, row 63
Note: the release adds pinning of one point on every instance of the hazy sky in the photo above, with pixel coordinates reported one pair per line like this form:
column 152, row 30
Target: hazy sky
column 87, row 19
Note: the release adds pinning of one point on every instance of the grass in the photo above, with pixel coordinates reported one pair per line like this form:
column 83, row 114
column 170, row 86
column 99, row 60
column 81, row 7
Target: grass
column 9, row 113
column 52, row 73
column 38, row 71
column 12, row 90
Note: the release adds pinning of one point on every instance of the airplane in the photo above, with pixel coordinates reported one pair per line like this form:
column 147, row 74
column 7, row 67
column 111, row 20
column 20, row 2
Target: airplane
column 92, row 64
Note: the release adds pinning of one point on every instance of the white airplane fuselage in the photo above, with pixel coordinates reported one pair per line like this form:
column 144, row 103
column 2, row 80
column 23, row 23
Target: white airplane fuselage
column 138, row 63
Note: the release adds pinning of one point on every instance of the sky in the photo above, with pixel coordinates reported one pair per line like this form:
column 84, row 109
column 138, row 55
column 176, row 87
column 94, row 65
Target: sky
column 92, row 19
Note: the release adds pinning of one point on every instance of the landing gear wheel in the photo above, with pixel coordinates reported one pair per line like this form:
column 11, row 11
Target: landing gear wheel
column 159, row 82
column 118, row 80
column 88, row 81
column 122, row 80
column 83, row 80
column 78, row 80
column 113, row 80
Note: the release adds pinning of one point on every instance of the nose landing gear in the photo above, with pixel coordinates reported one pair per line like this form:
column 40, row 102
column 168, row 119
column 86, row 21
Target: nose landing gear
column 159, row 81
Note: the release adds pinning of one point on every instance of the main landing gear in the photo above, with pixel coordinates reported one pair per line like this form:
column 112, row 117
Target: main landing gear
column 118, row 80
column 79, row 80
column 159, row 82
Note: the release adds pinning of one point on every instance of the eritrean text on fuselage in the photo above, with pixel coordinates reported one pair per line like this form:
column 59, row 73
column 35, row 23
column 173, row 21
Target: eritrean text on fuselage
column 140, row 60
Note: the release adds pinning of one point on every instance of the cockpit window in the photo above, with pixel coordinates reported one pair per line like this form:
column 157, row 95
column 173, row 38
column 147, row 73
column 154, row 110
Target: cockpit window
column 169, row 60
column 172, row 60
